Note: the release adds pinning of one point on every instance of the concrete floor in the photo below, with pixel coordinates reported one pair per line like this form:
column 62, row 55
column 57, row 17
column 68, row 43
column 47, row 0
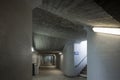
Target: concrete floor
column 50, row 73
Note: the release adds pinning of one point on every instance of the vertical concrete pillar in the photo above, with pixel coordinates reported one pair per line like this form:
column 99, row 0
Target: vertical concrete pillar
column 34, row 62
column 68, row 64
column 38, row 64
column 54, row 59
column 103, row 56
column 74, row 58
column 15, row 40
column 42, row 60
column 61, row 62
column 58, row 61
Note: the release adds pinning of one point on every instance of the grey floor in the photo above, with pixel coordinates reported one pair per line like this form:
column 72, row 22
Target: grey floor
column 50, row 73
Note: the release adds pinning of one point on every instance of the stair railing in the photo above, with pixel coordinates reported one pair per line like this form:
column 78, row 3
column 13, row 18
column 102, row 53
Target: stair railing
column 80, row 62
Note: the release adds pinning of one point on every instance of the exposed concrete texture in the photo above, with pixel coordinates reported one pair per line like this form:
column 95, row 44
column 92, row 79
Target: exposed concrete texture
column 57, row 61
column 66, row 19
column 43, row 42
column 57, row 31
column 103, row 56
column 80, row 11
column 51, row 31
column 15, row 40
column 46, row 23
column 36, row 3
column 68, row 60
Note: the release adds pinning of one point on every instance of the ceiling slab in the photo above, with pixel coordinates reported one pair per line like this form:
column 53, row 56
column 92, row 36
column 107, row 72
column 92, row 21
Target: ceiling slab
column 84, row 12
column 46, row 43
column 46, row 23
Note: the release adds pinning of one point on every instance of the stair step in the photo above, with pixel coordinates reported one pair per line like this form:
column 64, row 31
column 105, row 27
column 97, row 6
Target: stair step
column 83, row 75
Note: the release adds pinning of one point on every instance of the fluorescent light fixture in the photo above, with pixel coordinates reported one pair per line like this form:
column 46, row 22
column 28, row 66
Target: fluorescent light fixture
column 32, row 49
column 115, row 31
column 60, row 53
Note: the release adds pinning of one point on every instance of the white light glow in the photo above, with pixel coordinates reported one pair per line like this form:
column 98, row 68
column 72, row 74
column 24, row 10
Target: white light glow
column 80, row 52
column 60, row 53
column 32, row 49
column 115, row 31
column 81, row 47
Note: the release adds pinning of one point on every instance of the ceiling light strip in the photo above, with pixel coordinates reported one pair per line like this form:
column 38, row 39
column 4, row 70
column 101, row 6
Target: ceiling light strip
column 115, row 31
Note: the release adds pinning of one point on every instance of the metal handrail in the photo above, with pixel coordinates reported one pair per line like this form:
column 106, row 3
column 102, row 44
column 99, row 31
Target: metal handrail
column 80, row 61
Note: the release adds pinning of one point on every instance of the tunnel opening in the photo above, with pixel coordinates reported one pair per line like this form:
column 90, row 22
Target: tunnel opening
column 70, row 62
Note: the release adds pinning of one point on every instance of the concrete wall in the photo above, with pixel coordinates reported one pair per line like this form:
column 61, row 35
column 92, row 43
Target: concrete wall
column 103, row 56
column 80, row 56
column 15, row 40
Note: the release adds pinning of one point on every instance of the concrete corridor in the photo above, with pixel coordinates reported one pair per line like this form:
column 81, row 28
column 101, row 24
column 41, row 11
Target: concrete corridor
column 51, row 73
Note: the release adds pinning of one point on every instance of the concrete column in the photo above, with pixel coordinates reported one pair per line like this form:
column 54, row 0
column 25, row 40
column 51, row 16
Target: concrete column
column 68, row 61
column 38, row 64
column 61, row 62
column 43, row 59
column 54, row 59
column 74, row 58
column 15, row 40
column 103, row 56
column 34, row 63
column 58, row 61
column 51, row 59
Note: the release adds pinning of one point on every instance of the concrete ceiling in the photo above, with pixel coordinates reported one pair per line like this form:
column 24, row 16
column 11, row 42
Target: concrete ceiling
column 80, row 11
column 46, row 23
column 58, row 21
column 51, row 32
column 47, row 43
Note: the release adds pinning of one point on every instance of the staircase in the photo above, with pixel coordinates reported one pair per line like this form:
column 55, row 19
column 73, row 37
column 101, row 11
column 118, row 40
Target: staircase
column 83, row 73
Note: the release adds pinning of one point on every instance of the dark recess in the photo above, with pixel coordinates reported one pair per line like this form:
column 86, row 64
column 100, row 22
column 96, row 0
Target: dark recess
column 112, row 7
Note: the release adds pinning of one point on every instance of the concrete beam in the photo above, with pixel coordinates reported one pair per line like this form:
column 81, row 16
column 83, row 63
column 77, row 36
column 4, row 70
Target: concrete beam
column 58, row 32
